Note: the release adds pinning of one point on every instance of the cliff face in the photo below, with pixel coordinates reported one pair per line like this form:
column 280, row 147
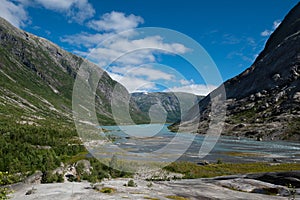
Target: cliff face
column 37, row 77
column 264, row 100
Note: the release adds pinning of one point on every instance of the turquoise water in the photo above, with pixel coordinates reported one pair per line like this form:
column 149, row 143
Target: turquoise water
column 148, row 139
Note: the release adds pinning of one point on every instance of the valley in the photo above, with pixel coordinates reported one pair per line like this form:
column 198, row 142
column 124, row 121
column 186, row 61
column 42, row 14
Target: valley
column 167, row 147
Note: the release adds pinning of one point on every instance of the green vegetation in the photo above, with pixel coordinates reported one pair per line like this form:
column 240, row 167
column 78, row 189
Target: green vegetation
column 98, row 172
column 29, row 148
column 219, row 161
column 108, row 190
column 243, row 154
column 25, row 149
column 131, row 183
column 249, row 115
column 49, row 177
column 5, row 179
column 151, row 198
column 75, row 158
column 36, row 126
column 192, row 170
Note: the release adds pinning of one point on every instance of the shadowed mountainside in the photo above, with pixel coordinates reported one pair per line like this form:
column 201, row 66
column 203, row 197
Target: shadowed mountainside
column 264, row 100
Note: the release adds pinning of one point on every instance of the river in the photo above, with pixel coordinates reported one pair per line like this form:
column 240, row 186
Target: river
column 155, row 140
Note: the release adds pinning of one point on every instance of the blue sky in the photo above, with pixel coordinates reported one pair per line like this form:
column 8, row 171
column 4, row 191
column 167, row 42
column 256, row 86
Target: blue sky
column 232, row 32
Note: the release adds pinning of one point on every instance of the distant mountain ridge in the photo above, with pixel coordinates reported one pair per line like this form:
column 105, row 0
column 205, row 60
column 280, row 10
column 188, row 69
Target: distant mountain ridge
column 264, row 100
column 175, row 104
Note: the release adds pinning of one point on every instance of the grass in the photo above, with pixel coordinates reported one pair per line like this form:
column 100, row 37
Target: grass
column 151, row 198
column 192, row 170
column 108, row 190
column 76, row 158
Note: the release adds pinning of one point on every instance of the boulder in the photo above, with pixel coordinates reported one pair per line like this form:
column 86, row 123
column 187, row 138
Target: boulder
column 279, row 178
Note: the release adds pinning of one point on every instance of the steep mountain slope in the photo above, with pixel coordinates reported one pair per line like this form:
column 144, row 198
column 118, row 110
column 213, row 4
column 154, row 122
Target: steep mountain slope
column 168, row 101
column 36, row 81
column 264, row 100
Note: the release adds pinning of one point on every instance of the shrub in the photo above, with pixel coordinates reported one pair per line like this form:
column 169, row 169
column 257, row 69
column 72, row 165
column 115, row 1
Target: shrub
column 4, row 180
column 131, row 183
column 49, row 177
column 60, row 178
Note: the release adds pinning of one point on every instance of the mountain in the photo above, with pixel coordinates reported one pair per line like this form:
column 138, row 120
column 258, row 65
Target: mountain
column 37, row 78
column 264, row 100
column 174, row 104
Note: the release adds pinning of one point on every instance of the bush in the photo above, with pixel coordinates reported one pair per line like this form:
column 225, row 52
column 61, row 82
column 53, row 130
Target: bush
column 80, row 169
column 4, row 192
column 60, row 178
column 4, row 180
column 131, row 183
column 49, row 177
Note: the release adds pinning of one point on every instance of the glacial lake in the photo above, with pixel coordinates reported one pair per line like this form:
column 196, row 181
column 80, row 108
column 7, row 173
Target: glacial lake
column 143, row 140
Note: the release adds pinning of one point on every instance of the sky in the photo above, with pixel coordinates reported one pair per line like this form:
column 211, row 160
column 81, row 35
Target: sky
column 193, row 45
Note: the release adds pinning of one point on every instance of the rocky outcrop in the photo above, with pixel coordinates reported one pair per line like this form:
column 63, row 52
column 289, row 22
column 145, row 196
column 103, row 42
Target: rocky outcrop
column 291, row 178
column 263, row 101
column 193, row 189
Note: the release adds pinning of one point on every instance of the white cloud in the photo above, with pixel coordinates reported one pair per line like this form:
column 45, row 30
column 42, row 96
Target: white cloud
column 57, row 5
column 276, row 24
column 268, row 32
column 86, row 39
column 121, row 44
column 148, row 72
column 152, row 74
column 197, row 89
column 186, row 82
column 14, row 13
column 76, row 10
column 128, row 51
column 81, row 11
column 133, row 84
column 116, row 21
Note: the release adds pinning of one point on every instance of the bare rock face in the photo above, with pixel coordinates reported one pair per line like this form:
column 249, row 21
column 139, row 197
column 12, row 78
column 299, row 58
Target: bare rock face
column 265, row 97
column 278, row 178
